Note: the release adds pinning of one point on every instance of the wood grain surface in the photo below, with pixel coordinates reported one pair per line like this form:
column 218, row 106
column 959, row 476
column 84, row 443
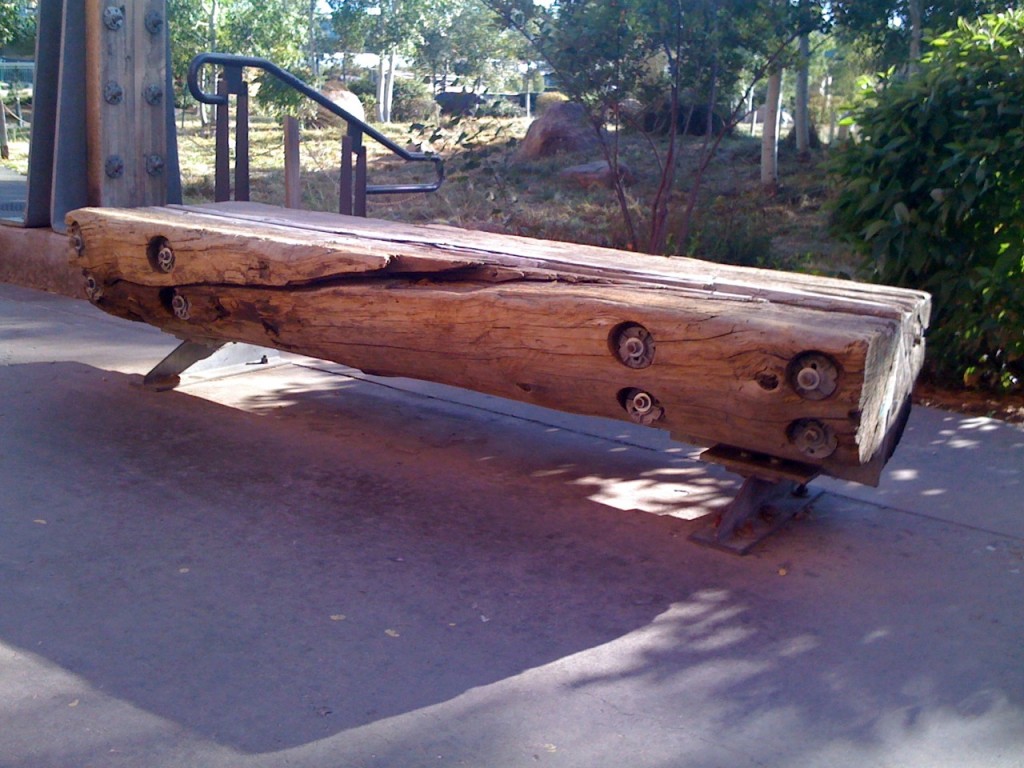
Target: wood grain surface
column 726, row 354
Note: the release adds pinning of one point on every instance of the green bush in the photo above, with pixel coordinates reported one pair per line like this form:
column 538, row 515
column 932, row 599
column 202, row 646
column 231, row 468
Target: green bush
column 932, row 192
column 366, row 89
column 727, row 234
column 278, row 98
column 412, row 100
column 500, row 108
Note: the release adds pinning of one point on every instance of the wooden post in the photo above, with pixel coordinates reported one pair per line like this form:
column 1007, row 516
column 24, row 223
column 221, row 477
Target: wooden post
column 126, row 126
column 242, row 141
column 222, row 139
column 292, row 185
column 345, row 185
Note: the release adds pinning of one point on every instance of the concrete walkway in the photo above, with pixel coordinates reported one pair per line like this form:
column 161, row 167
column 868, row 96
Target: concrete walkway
column 13, row 190
column 300, row 565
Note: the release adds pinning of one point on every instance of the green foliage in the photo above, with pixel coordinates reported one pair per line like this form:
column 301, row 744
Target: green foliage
column 350, row 24
column 366, row 89
column 277, row 98
column 732, row 236
column 273, row 29
column 500, row 108
column 663, row 53
column 460, row 43
column 412, row 101
column 382, row 25
column 189, row 29
column 882, row 28
column 933, row 193
column 17, row 21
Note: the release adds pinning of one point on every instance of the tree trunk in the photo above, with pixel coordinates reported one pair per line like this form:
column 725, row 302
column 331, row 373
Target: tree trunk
column 801, row 115
column 209, row 76
column 314, row 54
column 5, row 151
column 380, row 88
column 389, row 87
column 916, row 31
column 770, row 134
column 527, row 81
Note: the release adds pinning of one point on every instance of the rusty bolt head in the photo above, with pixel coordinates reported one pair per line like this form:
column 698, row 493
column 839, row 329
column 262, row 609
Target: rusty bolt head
column 180, row 306
column 633, row 345
column 642, row 407
column 153, row 94
column 165, row 259
column 113, row 17
column 113, row 93
column 814, row 375
column 93, row 290
column 75, row 238
column 154, row 22
column 154, row 165
column 114, row 167
column 813, row 438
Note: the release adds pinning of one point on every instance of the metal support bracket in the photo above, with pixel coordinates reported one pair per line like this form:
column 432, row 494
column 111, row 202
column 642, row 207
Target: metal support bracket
column 167, row 373
column 774, row 491
column 207, row 359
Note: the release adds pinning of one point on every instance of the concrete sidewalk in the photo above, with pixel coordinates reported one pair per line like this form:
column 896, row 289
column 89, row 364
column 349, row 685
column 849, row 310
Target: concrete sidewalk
column 13, row 192
column 301, row 565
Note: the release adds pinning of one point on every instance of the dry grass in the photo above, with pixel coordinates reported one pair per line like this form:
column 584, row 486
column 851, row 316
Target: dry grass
column 488, row 189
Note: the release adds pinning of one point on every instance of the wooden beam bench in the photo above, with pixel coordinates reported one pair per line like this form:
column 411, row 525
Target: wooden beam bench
column 784, row 375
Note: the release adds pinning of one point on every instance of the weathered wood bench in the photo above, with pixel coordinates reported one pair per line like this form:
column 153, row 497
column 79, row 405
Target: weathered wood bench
column 784, row 375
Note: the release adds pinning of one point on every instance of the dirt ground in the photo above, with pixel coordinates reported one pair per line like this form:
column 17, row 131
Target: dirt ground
column 1008, row 407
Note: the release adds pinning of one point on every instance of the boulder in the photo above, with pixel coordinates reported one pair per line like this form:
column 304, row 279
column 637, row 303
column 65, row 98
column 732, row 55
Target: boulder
column 814, row 139
column 336, row 91
column 692, row 119
column 564, row 127
column 631, row 111
column 597, row 174
column 458, row 103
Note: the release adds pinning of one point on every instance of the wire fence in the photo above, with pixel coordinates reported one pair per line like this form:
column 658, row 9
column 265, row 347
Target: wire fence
column 16, row 82
column 17, row 75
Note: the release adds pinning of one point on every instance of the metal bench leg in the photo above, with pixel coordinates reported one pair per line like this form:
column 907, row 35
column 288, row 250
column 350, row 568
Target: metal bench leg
column 167, row 373
column 759, row 509
column 773, row 492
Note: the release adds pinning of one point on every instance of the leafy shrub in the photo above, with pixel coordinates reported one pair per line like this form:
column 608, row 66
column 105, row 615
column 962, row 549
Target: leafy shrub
column 728, row 234
column 933, row 193
column 366, row 90
column 500, row 108
column 412, row 100
column 278, row 98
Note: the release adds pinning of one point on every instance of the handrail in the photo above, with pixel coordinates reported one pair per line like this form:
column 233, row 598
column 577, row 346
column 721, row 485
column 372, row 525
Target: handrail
column 233, row 65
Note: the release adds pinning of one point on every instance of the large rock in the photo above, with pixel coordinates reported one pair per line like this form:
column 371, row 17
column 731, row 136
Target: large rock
column 458, row 102
column 336, row 91
column 564, row 127
column 691, row 119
